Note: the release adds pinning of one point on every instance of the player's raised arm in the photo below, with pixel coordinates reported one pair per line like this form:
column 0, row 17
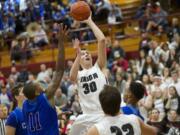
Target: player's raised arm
column 101, row 42
column 75, row 68
column 60, row 65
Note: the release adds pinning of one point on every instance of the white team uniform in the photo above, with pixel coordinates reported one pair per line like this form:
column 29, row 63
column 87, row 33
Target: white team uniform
column 119, row 125
column 90, row 83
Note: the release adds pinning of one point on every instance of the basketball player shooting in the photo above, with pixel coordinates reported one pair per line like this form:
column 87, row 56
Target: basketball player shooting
column 90, row 81
column 39, row 108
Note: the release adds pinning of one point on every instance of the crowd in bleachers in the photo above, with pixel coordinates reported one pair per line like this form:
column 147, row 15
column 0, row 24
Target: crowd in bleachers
column 157, row 67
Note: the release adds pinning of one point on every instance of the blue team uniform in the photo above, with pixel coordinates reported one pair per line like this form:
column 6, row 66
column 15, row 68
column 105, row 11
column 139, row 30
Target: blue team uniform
column 40, row 117
column 129, row 109
column 16, row 120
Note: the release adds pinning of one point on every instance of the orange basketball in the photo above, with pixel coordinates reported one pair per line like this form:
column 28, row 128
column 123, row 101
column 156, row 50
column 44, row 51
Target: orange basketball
column 80, row 11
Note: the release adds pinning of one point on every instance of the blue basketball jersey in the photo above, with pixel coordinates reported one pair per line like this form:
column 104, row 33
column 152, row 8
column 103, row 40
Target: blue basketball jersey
column 40, row 117
column 16, row 120
column 129, row 109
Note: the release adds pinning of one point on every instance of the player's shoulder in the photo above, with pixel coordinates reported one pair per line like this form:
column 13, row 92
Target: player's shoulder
column 126, row 110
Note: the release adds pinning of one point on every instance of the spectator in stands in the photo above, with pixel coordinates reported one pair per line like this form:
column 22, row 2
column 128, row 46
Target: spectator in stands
column 60, row 99
column 117, row 50
column 119, row 62
column 115, row 15
column 144, row 43
column 76, row 108
column 149, row 66
column 40, row 37
column 102, row 10
column 25, row 52
column 8, row 24
column 147, row 83
column 157, row 100
column 173, row 102
column 43, row 75
column 2, row 78
column 159, row 20
column 140, row 62
column 5, row 97
column 14, row 73
column 31, row 78
column 166, row 79
column 173, row 30
column 173, row 121
column 120, row 82
column 23, row 76
column 2, row 120
column 15, row 51
column 176, row 81
column 155, row 51
column 154, row 120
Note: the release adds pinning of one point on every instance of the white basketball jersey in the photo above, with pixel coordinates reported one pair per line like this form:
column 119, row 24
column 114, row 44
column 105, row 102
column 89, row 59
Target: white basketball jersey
column 90, row 84
column 119, row 125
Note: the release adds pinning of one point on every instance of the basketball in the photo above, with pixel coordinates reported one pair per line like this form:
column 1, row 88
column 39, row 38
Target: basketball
column 80, row 11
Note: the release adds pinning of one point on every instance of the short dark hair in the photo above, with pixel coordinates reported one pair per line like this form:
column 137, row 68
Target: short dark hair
column 30, row 90
column 110, row 100
column 16, row 89
column 137, row 89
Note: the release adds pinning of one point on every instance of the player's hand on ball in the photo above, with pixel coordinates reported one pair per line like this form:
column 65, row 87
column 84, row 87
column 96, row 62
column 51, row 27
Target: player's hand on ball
column 63, row 32
column 76, row 46
column 88, row 20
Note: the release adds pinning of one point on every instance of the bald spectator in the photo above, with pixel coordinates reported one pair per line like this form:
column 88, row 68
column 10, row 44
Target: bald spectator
column 43, row 75
column 60, row 99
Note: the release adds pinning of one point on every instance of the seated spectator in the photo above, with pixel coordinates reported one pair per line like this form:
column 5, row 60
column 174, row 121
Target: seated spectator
column 15, row 51
column 176, row 81
column 14, row 73
column 8, row 24
column 173, row 101
column 76, row 108
column 173, row 30
column 43, row 75
column 120, row 82
column 119, row 62
column 154, row 120
column 2, row 79
column 40, row 38
column 155, row 51
column 5, row 97
column 102, row 10
column 144, row 43
column 60, row 99
column 140, row 62
column 173, row 122
column 159, row 20
column 166, row 79
column 115, row 15
column 23, row 76
column 117, row 50
column 149, row 67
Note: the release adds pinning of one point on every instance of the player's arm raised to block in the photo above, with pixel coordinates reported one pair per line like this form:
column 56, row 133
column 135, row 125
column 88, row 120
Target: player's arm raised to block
column 75, row 67
column 101, row 42
column 60, row 66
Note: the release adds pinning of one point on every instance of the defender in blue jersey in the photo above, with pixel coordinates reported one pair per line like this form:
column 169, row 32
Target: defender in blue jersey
column 39, row 108
column 15, row 124
column 132, row 96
